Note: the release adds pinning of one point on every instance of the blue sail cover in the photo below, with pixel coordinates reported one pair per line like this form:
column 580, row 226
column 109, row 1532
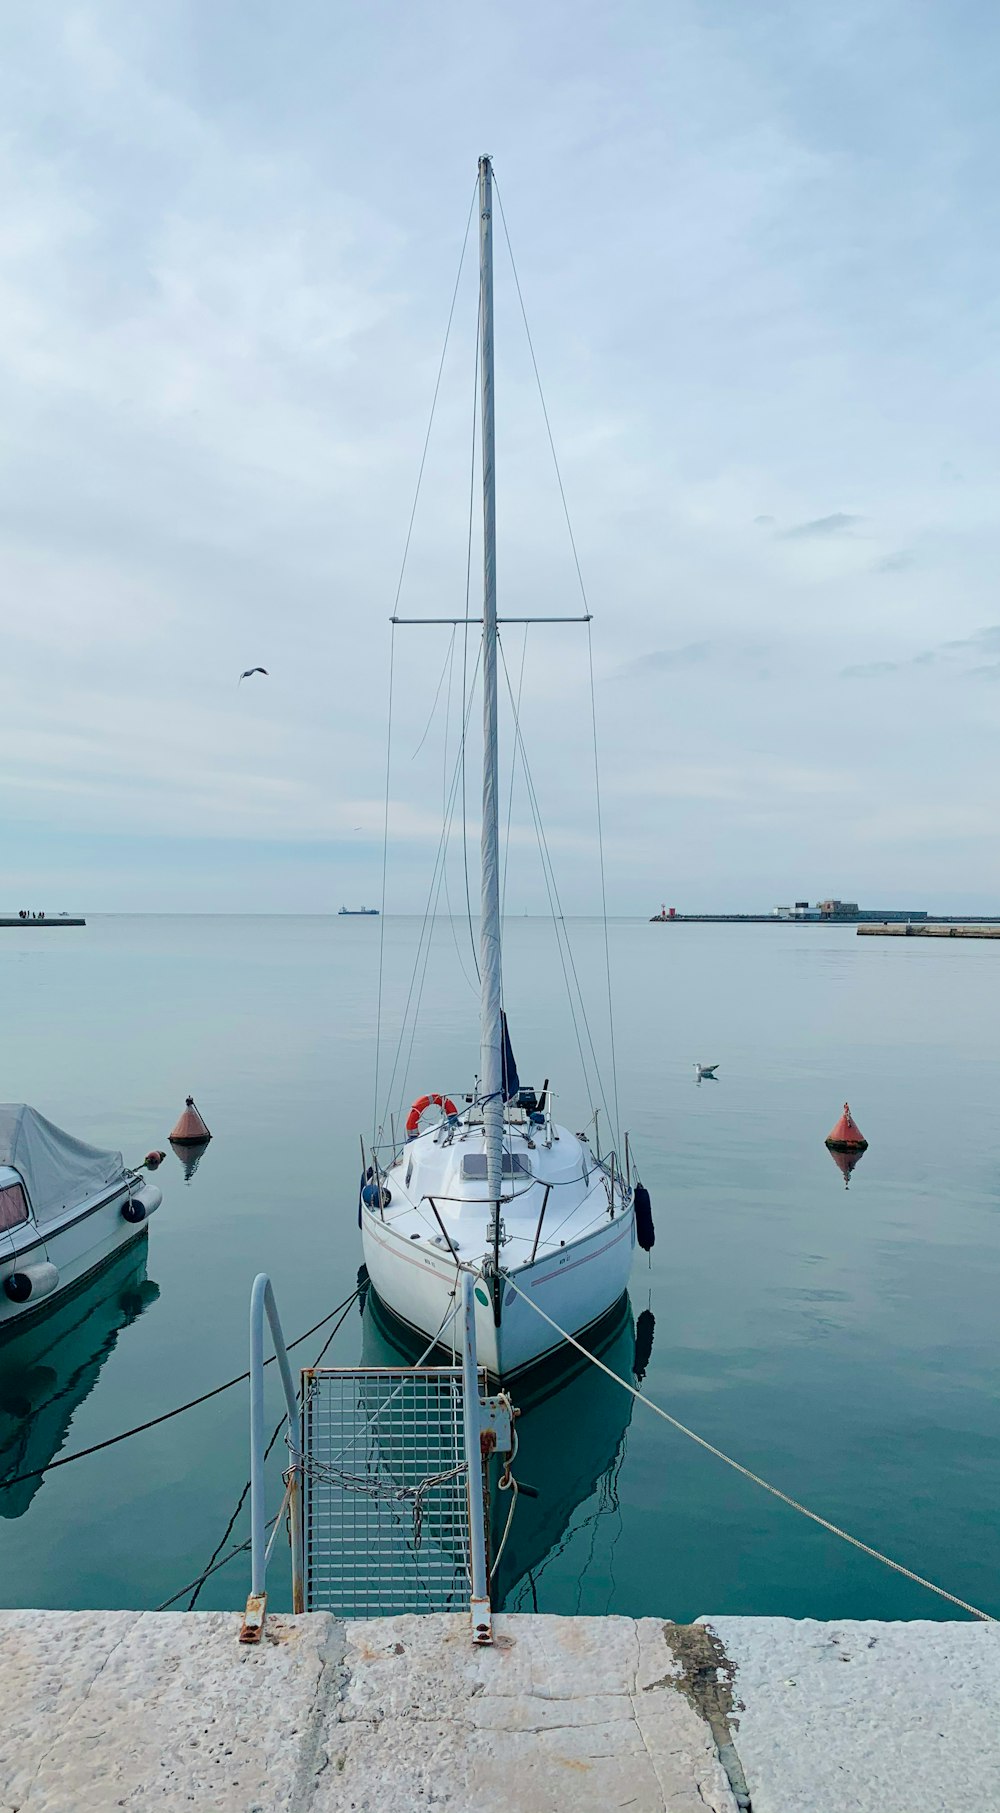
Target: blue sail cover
column 511, row 1081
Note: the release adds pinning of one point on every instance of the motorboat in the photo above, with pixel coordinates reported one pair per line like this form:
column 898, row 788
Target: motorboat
column 66, row 1208
column 541, row 1214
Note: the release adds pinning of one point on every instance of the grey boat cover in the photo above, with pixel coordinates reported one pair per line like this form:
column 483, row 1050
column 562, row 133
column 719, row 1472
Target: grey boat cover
column 60, row 1172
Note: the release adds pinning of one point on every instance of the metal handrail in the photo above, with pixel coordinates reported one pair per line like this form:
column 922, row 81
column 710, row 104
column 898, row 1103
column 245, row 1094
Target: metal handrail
column 479, row 1604
column 262, row 1303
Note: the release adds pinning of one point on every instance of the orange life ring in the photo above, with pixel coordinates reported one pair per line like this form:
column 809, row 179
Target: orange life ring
column 444, row 1102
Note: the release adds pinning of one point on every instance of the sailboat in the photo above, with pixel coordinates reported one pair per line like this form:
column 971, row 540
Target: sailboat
column 544, row 1219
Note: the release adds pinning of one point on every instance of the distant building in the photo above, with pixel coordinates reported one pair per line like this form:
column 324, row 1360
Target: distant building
column 847, row 910
column 890, row 915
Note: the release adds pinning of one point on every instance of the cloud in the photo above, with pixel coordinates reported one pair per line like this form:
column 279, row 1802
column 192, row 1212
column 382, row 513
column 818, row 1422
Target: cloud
column 870, row 670
column 982, row 641
column 667, row 660
column 991, row 672
column 895, row 563
column 821, row 525
column 764, row 521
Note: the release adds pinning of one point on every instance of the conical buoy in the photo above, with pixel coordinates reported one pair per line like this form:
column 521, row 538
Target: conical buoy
column 190, row 1129
column 847, row 1135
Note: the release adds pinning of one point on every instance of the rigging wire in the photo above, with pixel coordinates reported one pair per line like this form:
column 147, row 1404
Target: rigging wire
column 437, row 387
column 541, row 398
column 513, row 770
column 432, row 903
column 755, row 1478
column 111, row 1441
column 395, row 606
column 241, row 1501
column 604, row 892
column 435, row 882
column 437, row 695
column 444, row 805
column 549, row 883
column 590, row 652
column 385, row 863
column 559, row 917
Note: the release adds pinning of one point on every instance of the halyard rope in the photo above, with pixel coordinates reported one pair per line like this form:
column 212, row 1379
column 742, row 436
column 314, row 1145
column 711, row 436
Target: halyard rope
column 737, row 1466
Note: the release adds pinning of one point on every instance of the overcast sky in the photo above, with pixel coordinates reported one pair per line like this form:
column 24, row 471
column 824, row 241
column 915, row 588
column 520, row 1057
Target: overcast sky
column 758, row 245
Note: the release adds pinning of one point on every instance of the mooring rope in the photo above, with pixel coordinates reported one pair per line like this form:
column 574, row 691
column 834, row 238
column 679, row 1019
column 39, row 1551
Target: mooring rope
column 755, row 1478
column 111, row 1441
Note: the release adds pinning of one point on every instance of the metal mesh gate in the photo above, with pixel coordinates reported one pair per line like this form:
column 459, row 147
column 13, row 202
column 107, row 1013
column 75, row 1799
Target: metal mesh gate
column 385, row 1503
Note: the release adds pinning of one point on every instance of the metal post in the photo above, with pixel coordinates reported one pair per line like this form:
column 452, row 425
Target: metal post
column 490, row 1018
column 262, row 1302
column 258, row 1564
column 479, row 1604
column 541, row 1218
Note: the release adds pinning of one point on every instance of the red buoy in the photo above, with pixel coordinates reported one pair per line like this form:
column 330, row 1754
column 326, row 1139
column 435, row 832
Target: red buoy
column 190, row 1129
column 847, row 1135
column 153, row 1160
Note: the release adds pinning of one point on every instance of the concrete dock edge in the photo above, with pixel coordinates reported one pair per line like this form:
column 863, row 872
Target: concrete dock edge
column 144, row 1710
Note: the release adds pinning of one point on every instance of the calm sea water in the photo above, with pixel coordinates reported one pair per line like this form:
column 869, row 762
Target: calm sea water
column 842, row 1342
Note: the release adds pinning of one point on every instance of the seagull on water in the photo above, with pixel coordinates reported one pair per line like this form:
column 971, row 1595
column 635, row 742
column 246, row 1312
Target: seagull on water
column 708, row 1070
column 247, row 671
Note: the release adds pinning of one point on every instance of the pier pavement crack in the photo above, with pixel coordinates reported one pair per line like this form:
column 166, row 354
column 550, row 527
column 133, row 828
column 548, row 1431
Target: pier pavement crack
column 134, row 1619
column 332, row 1682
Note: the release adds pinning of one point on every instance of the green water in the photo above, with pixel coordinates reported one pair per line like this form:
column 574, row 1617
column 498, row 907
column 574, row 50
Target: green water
column 840, row 1342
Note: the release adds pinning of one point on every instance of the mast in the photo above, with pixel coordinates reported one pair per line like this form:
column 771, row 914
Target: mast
column 490, row 1017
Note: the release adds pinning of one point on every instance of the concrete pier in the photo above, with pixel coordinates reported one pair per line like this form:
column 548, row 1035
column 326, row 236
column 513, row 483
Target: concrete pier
column 954, row 929
column 155, row 1711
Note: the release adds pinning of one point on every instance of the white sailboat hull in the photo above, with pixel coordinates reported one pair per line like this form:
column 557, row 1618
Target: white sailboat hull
column 575, row 1286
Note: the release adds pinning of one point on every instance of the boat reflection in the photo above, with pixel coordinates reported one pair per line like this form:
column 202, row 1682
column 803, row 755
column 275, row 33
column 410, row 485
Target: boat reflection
column 571, row 1437
column 190, row 1156
column 48, row 1369
column 846, row 1162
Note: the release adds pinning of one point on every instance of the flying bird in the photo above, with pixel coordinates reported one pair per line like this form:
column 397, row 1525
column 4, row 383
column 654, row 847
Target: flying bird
column 245, row 675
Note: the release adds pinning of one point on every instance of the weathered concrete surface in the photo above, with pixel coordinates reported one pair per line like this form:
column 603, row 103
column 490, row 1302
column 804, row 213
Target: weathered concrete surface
column 576, row 1713
column 896, row 1718
column 153, row 1712
column 162, row 1711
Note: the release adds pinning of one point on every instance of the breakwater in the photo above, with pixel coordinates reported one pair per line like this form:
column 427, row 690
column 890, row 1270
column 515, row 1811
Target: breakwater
column 953, row 928
column 898, row 926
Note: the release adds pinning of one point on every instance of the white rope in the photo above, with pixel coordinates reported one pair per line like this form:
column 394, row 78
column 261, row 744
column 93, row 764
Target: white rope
column 824, row 1523
column 507, row 1481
